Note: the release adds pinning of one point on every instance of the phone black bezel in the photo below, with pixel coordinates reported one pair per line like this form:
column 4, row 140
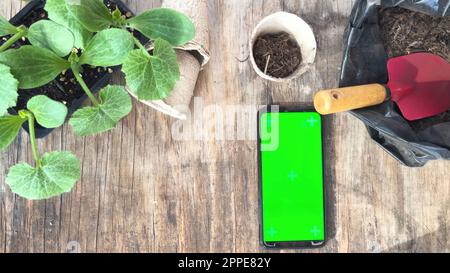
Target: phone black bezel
column 295, row 244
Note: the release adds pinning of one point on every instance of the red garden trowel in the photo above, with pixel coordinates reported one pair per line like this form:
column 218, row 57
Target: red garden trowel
column 419, row 84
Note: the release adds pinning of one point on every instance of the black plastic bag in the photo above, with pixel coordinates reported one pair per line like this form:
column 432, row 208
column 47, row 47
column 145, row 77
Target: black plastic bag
column 365, row 62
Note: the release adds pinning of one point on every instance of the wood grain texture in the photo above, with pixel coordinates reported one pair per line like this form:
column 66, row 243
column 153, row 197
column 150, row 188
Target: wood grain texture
column 144, row 191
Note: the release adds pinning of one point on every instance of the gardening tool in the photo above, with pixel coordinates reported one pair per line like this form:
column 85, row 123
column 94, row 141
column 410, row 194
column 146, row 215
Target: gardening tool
column 419, row 84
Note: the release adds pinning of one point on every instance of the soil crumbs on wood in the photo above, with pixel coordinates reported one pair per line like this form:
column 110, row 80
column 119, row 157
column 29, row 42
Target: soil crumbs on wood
column 277, row 55
column 404, row 32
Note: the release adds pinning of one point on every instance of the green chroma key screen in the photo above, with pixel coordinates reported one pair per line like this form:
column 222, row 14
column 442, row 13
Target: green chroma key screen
column 292, row 177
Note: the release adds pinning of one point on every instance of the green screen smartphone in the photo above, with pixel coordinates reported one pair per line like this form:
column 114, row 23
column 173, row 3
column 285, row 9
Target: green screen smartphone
column 290, row 148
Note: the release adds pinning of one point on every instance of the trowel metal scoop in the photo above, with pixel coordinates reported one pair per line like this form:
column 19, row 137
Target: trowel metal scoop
column 419, row 84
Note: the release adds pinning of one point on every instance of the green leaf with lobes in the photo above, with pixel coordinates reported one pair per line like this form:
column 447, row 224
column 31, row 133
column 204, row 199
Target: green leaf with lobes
column 152, row 77
column 48, row 113
column 163, row 23
column 57, row 174
column 59, row 12
column 6, row 28
column 52, row 36
column 9, row 129
column 109, row 47
column 115, row 105
column 92, row 14
column 8, row 89
column 33, row 66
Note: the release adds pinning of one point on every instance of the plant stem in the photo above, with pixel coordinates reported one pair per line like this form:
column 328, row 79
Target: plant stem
column 30, row 117
column 86, row 89
column 12, row 40
column 139, row 44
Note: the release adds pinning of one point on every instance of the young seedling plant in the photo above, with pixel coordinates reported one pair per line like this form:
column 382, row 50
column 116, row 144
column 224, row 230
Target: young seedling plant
column 80, row 33
column 53, row 173
column 149, row 75
column 35, row 66
column 38, row 34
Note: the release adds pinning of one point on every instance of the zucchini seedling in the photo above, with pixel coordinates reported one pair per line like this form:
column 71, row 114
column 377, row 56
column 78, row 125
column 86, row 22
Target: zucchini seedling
column 45, row 34
column 53, row 51
column 106, row 48
column 56, row 172
column 82, row 33
column 149, row 75
column 52, row 174
column 62, row 39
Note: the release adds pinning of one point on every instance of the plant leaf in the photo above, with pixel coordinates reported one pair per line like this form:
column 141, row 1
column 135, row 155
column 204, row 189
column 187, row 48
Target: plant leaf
column 9, row 129
column 58, row 173
column 48, row 113
column 60, row 13
column 115, row 105
column 92, row 14
column 8, row 89
column 167, row 24
column 33, row 66
column 108, row 48
column 152, row 77
column 6, row 28
column 52, row 36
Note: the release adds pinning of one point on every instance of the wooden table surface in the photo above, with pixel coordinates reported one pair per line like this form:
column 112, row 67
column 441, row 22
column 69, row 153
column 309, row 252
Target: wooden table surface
column 144, row 191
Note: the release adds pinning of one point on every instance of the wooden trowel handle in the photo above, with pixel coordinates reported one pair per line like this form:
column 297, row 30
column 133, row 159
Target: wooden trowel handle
column 349, row 98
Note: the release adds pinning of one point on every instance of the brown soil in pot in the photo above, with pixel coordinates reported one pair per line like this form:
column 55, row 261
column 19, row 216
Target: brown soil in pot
column 277, row 55
column 405, row 32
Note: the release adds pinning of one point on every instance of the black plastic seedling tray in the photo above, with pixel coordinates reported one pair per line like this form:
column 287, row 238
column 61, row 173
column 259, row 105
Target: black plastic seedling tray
column 100, row 82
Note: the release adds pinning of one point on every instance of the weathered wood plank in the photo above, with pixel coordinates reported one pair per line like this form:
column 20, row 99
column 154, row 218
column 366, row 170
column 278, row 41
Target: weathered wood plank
column 145, row 191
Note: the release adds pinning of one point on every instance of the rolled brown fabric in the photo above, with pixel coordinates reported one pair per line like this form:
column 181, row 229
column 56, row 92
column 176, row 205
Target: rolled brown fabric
column 192, row 57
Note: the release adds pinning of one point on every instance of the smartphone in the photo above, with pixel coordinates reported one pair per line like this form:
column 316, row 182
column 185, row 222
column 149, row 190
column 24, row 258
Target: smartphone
column 291, row 178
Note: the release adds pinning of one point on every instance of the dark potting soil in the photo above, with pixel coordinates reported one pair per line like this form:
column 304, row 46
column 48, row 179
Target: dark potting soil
column 64, row 88
column 422, row 124
column 277, row 55
column 405, row 32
